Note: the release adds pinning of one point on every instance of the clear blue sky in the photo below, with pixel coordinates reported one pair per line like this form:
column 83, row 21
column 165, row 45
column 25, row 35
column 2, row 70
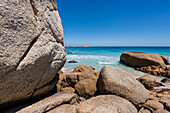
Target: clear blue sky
column 115, row 22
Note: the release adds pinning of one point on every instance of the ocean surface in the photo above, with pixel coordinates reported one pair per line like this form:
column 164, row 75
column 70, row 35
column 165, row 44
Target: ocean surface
column 98, row 57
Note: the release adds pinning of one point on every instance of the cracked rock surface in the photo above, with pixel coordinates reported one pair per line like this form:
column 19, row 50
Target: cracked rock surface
column 31, row 48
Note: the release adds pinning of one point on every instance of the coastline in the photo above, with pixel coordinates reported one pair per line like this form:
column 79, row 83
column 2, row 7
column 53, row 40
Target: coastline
column 98, row 57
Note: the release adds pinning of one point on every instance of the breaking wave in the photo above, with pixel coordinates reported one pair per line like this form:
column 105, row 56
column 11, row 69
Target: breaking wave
column 99, row 59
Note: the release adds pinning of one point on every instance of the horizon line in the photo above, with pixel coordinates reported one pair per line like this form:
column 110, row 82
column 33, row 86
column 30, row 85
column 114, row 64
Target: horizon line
column 119, row 46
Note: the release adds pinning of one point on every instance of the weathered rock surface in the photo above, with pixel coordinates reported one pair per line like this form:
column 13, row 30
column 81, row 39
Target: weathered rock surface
column 153, row 104
column 119, row 82
column 86, row 88
column 161, row 111
column 148, row 81
column 68, row 89
column 31, row 47
column 168, row 71
column 142, row 110
column 70, row 79
column 138, row 59
column 165, row 59
column 51, row 102
column 65, row 108
column 154, row 70
column 106, row 104
column 166, row 103
column 85, row 69
column 45, row 89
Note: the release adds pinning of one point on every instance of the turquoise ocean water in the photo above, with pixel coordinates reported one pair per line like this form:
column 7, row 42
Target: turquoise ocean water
column 98, row 57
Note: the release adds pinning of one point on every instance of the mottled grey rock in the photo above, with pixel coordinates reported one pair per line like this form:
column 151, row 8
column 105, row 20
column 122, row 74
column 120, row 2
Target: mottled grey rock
column 50, row 103
column 106, row 104
column 31, row 47
column 65, row 108
column 116, row 81
column 86, row 88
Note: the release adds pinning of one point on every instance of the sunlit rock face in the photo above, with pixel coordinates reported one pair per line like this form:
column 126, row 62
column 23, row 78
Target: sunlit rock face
column 31, row 48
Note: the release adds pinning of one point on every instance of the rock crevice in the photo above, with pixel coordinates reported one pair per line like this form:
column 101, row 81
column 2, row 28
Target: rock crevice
column 28, row 49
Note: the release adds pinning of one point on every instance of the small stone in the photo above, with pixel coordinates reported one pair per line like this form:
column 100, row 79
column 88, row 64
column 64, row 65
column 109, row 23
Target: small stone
column 142, row 110
column 85, row 69
column 154, row 104
column 72, row 61
column 148, row 81
column 81, row 99
column 68, row 89
column 148, row 69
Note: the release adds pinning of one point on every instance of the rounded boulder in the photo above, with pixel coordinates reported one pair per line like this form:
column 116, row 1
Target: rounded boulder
column 116, row 81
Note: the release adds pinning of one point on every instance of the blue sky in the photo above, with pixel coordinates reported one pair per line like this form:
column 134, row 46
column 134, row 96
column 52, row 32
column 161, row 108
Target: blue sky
column 115, row 22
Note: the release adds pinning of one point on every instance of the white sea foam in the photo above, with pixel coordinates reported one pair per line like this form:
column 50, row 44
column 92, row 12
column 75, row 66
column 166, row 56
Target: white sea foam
column 91, row 57
column 105, row 63
column 67, row 69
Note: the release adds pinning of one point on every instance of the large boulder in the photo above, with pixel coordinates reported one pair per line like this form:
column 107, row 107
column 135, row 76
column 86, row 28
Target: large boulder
column 31, row 47
column 138, row 59
column 106, row 104
column 116, row 81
